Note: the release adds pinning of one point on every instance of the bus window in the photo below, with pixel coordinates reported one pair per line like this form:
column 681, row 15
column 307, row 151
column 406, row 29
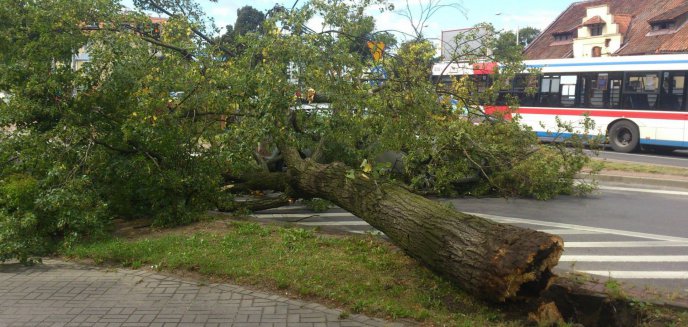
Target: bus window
column 568, row 90
column 592, row 91
column 549, row 90
column 601, row 90
column 481, row 82
column 641, row 90
column 613, row 96
column 671, row 93
column 522, row 85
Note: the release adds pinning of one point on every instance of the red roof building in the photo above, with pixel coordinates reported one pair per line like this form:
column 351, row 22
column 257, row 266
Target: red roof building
column 599, row 28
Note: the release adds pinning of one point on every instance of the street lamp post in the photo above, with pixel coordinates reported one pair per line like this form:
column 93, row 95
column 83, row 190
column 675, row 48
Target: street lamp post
column 517, row 27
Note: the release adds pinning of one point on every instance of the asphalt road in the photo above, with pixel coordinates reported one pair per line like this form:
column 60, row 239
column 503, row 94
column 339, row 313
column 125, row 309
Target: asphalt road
column 638, row 236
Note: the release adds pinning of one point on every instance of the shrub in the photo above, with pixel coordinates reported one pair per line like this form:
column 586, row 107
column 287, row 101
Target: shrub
column 34, row 219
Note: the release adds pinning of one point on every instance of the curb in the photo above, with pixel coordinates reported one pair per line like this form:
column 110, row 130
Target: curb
column 648, row 181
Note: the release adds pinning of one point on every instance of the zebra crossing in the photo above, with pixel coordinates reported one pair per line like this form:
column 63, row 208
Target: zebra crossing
column 613, row 253
column 618, row 254
column 334, row 217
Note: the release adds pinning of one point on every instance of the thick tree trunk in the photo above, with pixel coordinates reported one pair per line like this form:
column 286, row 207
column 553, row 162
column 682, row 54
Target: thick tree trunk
column 491, row 260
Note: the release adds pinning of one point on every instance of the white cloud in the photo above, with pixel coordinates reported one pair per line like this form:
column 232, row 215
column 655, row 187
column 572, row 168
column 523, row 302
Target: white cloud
column 539, row 19
column 393, row 22
column 444, row 19
column 316, row 23
column 223, row 16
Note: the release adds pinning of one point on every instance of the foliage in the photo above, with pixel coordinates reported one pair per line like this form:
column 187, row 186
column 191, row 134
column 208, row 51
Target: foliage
column 34, row 215
column 526, row 35
column 317, row 205
column 508, row 41
column 104, row 141
column 249, row 20
column 506, row 47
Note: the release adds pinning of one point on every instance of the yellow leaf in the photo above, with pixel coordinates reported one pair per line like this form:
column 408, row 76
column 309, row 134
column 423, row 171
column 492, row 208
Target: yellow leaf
column 366, row 166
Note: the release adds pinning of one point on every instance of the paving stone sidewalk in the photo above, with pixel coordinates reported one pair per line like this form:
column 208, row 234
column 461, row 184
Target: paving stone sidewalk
column 58, row 293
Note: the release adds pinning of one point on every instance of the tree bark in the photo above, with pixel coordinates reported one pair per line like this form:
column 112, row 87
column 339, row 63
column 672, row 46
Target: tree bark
column 491, row 260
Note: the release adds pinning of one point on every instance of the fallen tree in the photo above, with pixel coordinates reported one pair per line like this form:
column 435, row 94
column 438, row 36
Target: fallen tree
column 494, row 261
column 155, row 134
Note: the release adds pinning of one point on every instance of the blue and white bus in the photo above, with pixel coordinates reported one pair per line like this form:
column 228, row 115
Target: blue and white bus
column 636, row 101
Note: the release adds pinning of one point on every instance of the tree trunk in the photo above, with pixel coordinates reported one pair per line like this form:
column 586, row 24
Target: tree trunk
column 491, row 260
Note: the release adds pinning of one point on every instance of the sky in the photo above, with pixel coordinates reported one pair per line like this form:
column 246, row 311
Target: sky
column 503, row 14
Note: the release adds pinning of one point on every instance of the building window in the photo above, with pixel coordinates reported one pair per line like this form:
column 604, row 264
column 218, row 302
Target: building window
column 596, row 30
column 562, row 37
column 596, row 52
column 670, row 25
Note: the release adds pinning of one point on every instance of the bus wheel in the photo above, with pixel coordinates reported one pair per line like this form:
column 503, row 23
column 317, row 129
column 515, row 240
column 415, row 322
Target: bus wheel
column 624, row 136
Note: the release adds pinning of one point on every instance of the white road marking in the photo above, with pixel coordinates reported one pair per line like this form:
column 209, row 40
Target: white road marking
column 565, row 231
column 641, row 190
column 301, row 215
column 372, row 231
column 334, row 223
column 292, row 207
column 555, row 228
column 627, row 244
column 583, row 228
column 623, row 258
column 558, row 228
column 638, row 274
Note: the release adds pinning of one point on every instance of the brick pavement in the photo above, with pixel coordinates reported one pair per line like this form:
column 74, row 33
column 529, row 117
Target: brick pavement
column 58, row 293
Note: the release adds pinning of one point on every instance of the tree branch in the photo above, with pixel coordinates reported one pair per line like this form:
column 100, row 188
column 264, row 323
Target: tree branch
column 253, row 181
column 195, row 30
column 185, row 53
column 113, row 148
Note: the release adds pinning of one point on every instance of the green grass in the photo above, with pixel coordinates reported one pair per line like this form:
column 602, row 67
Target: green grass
column 639, row 168
column 361, row 274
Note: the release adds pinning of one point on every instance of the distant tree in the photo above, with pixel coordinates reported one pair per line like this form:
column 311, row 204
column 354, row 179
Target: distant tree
column 228, row 37
column 527, row 35
column 361, row 33
column 505, row 47
column 248, row 20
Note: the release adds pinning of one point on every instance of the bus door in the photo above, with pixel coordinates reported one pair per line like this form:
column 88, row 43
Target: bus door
column 614, row 93
column 672, row 97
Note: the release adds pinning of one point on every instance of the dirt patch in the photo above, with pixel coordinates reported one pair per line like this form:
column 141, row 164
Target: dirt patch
column 213, row 222
column 137, row 228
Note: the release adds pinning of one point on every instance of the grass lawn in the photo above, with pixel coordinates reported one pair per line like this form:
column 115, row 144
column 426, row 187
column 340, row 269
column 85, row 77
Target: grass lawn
column 356, row 273
column 361, row 274
column 639, row 168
